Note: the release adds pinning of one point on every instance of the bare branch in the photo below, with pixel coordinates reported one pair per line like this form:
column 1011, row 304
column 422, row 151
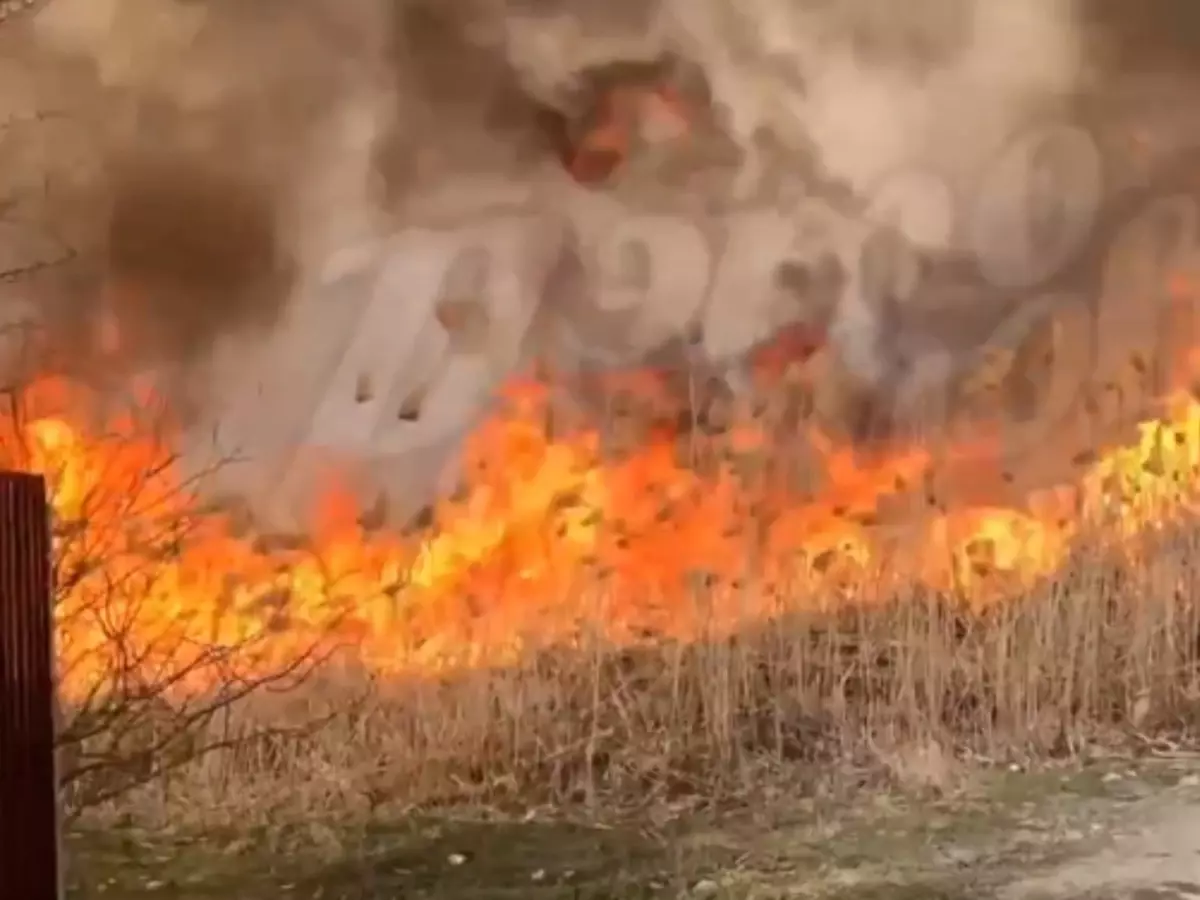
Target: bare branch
column 144, row 684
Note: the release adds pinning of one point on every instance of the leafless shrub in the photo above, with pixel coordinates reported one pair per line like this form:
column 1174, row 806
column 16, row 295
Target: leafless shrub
column 145, row 683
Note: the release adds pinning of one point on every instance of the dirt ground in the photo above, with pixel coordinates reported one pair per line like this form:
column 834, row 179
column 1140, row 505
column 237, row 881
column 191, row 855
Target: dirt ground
column 1112, row 830
column 1153, row 855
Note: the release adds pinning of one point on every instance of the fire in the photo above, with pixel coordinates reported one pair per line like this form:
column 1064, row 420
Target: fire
column 649, row 110
column 551, row 541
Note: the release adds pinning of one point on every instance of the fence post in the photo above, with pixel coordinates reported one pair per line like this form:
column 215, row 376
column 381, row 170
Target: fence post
column 29, row 825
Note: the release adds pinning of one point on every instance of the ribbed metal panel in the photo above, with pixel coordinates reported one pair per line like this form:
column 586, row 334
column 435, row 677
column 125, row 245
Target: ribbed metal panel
column 29, row 847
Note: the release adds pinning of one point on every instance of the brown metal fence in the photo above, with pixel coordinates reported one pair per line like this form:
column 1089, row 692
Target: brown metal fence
column 29, row 841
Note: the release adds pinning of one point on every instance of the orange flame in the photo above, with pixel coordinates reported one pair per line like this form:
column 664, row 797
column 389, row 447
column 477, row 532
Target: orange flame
column 550, row 542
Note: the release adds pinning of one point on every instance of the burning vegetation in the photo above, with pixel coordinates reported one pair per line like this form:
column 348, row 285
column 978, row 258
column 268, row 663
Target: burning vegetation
column 649, row 540
column 662, row 525
column 668, row 599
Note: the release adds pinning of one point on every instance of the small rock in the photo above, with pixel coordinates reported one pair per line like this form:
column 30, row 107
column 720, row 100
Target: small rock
column 1111, row 777
column 1192, row 780
column 456, row 859
column 539, row 875
column 706, row 888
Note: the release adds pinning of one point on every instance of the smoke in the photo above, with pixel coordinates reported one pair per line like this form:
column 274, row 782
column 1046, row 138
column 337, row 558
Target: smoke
column 1141, row 39
column 873, row 90
column 237, row 111
column 839, row 95
column 195, row 136
column 933, row 89
column 869, row 86
column 934, row 85
column 239, row 146
column 192, row 251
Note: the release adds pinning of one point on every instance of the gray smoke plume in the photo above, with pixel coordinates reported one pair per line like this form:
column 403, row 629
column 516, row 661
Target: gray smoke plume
column 236, row 147
column 233, row 94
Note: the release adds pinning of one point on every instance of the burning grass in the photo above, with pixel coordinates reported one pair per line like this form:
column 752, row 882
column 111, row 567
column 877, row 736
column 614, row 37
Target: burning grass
column 653, row 629
column 1106, row 652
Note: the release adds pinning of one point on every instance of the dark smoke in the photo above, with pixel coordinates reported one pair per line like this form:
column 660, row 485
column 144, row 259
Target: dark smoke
column 191, row 252
column 193, row 239
column 196, row 226
column 192, row 220
column 1158, row 36
column 458, row 104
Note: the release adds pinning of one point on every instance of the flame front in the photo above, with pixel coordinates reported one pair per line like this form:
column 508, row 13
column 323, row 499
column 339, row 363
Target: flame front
column 551, row 542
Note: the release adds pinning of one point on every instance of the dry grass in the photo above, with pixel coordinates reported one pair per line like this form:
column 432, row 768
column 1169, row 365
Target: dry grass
column 902, row 687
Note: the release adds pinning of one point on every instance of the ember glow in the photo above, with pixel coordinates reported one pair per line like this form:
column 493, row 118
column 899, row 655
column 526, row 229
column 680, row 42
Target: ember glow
column 550, row 541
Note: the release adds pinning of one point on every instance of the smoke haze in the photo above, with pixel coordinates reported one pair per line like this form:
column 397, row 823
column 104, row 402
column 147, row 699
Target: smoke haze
column 233, row 148
column 236, row 102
